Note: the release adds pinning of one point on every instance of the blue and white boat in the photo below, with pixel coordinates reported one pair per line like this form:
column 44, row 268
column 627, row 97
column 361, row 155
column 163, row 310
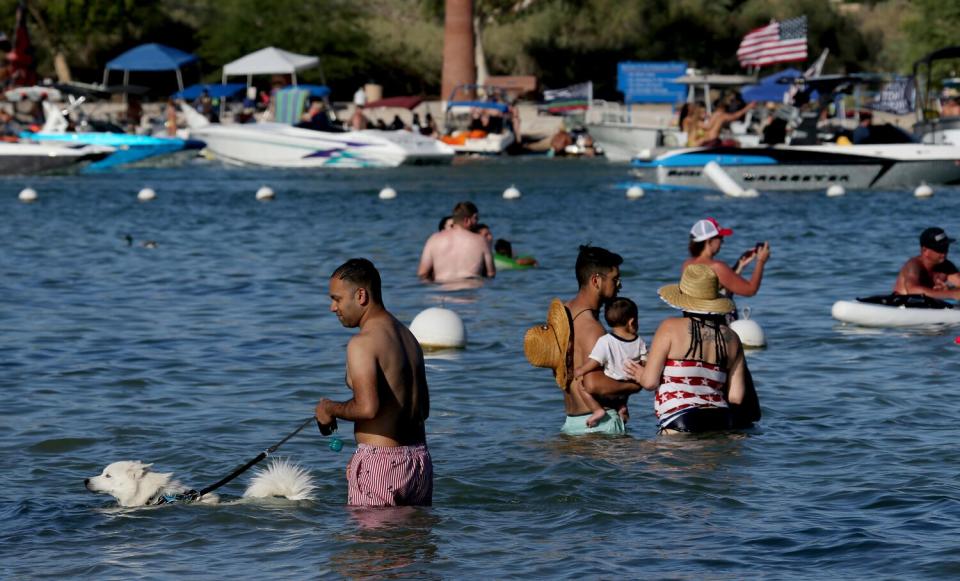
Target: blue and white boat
column 127, row 148
column 804, row 167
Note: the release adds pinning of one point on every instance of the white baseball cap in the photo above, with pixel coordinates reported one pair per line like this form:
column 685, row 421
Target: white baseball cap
column 707, row 229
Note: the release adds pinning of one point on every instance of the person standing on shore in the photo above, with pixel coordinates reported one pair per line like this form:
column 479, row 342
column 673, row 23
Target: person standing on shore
column 390, row 404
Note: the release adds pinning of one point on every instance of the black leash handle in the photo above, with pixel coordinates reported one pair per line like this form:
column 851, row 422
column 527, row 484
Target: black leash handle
column 193, row 494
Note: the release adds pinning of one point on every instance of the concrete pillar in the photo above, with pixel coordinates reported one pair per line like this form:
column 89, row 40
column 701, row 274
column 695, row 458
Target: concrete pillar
column 458, row 52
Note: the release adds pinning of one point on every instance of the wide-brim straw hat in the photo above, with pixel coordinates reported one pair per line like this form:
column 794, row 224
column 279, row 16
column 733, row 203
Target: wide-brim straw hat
column 698, row 292
column 549, row 345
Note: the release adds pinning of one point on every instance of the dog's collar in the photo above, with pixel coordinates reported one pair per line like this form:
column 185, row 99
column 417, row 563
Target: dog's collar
column 172, row 498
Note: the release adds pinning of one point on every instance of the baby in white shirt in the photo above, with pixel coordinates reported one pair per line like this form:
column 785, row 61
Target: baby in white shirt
column 611, row 351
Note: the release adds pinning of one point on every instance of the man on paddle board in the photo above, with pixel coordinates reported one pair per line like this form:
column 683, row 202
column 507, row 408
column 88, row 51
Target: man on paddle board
column 390, row 404
column 930, row 273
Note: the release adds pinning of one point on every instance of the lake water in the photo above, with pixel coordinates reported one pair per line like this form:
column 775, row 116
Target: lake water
column 198, row 354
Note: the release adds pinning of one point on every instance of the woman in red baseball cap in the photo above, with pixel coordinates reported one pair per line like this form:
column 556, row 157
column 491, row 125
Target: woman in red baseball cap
column 706, row 240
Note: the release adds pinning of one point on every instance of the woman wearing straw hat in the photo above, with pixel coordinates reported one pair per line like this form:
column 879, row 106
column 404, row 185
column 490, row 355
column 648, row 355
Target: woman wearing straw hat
column 696, row 363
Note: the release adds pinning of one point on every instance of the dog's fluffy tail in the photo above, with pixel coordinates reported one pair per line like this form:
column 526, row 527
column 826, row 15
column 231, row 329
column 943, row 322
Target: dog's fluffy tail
column 281, row 478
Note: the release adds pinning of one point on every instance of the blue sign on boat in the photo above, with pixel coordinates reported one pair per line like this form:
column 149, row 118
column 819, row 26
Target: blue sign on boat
column 651, row 82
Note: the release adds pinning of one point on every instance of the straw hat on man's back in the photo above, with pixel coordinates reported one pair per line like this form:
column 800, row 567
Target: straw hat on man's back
column 549, row 345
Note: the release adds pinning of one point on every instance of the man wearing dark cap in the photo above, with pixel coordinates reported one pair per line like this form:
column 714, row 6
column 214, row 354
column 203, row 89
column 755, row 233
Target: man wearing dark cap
column 930, row 273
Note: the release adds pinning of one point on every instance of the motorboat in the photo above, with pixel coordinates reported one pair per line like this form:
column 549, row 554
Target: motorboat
column 804, row 167
column 937, row 100
column 478, row 126
column 126, row 148
column 273, row 144
column 625, row 131
column 21, row 158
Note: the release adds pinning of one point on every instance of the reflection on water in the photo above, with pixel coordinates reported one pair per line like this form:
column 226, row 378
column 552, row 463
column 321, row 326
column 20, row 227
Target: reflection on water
column 387, row 543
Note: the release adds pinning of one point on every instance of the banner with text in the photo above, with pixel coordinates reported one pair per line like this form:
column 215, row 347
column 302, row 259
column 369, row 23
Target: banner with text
column 651, row 82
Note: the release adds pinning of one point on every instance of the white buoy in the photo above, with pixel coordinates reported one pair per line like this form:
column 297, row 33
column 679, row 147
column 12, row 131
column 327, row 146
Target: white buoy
column 438, row 328
column 835, row 190
column 28, row 195
column 725, row 183
column 265, row 194
column 645, row 154
column 923, row 191
column 750, row 333
column 511, row 193
column 388, row 193
column 634, row 192
column 146, row 194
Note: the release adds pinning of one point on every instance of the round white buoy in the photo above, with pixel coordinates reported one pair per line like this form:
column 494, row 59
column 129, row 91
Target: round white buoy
column 146, row 194
column 835, row 190
column 265, row 193
column 438, row 328
column 923, row 190
column 388, row 193
column 28, row 195
column 645, row 154
column 511, row 193
column 750, row 333
column 634, row 192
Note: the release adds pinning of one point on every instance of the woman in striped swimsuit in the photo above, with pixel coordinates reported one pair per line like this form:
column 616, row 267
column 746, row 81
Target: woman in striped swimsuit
column 695, row 364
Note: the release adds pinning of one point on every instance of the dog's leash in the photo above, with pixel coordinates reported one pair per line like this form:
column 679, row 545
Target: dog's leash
column 193, row 495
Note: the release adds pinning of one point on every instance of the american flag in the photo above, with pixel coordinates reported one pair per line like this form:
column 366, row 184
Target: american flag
column 777, row 42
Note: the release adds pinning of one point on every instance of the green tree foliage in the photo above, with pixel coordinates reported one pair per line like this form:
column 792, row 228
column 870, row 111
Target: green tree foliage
column 399, row 43
column 932, row 25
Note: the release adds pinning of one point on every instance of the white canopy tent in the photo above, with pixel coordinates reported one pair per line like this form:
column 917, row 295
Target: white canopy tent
column 270, row 61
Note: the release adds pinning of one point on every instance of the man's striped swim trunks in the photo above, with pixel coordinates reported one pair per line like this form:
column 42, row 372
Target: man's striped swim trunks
column 400, row 476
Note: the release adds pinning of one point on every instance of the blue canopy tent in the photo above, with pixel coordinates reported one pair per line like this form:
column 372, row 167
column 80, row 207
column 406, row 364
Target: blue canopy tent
column 216, row 91
column 772, row 87
column 151, row 57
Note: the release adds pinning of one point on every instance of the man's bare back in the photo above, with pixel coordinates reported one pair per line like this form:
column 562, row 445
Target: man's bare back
column 387, row 353
column 385, row 371
column 455, row 254
column 586, row 330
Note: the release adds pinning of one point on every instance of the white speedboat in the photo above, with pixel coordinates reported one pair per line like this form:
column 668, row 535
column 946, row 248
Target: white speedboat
column 938, row 116
column 478, row 127
column 805, row 167
column 21, row 158
column 281, row 145
column 624, row 131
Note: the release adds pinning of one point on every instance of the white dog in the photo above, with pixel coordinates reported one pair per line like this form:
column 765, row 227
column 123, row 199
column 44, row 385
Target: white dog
column 132, row 483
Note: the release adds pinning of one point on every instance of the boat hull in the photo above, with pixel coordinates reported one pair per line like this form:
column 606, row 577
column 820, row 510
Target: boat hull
column 807, row 167
column 32, row 158
column 128, row 148
column 278, row 145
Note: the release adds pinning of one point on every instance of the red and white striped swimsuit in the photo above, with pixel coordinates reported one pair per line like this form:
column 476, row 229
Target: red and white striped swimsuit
column 400, row 476
column 687, row 384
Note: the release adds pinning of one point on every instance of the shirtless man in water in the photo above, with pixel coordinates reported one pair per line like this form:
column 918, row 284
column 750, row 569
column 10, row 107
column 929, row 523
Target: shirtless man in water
column 930, row 273
column 598, row 277
column 457, row 253
column 390, row 404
